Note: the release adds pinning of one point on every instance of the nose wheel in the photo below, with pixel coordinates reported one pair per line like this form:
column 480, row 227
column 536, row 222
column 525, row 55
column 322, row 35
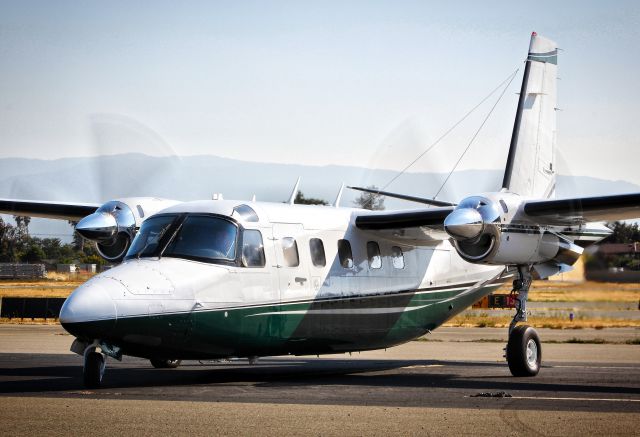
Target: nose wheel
column 523, row 351
column 93, row 371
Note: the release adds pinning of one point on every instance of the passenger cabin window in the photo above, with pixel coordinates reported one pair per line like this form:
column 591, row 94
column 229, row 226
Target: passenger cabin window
column 345, row 254
column 204, row 238
column 397, row 258
column 373, row 254
column 290, row 252
column 252, row 249
column 317, row 252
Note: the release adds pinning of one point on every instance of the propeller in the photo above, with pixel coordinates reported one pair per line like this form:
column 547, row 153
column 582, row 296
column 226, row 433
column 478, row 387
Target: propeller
column 113, row 226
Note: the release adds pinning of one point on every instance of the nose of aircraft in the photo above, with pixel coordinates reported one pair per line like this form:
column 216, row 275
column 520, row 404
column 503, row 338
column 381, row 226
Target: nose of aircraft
column 90, row 312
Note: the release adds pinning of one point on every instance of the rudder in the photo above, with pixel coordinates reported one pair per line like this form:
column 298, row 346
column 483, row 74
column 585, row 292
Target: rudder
column 530, row 169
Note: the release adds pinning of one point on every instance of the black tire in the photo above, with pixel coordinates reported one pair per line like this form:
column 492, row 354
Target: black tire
column 524, row 352
column 165, row 364
column 92, row 371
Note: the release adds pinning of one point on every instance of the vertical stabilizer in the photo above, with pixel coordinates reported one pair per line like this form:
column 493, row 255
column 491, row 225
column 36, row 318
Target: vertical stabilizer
column 530, row 169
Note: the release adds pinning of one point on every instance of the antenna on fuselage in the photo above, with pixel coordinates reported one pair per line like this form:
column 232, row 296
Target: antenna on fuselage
column 294, row 193
column 336, row 203
column 253, row 199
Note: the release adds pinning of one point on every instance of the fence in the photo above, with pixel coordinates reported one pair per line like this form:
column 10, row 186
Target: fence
column 22, row 271
column 31, row 307
column 613, row 276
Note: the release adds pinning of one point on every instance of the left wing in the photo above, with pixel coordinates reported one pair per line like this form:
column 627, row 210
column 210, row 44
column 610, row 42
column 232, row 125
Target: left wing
column 415, row 218
column 417, row 226
column 582, row 210
column 52, row 210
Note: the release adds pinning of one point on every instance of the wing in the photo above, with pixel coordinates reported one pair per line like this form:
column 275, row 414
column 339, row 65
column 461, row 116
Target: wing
column 583, row 209
column 418, row 226
column 52, row 210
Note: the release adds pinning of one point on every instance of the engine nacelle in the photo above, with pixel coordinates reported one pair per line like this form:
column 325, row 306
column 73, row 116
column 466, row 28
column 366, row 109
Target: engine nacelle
column 114, row 225
column 481, row 234
column 519, row 246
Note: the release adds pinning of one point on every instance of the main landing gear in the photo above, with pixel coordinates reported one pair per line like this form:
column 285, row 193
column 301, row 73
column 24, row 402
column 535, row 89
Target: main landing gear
column 165, row 364
column 523, row 351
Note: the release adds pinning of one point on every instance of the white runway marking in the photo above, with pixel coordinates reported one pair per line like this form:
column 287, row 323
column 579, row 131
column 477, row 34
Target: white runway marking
column 543, row 398
column 598, row 367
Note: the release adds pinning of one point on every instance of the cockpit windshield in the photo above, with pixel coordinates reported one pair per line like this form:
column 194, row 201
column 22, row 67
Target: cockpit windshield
column 197, row 237
column 204, row 237
column 151, row 232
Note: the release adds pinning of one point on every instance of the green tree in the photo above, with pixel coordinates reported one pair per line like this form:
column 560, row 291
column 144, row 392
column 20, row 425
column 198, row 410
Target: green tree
column 624, row 233
column 8, row 242
column 33, row 253
column 372, row 201
column 301, row 200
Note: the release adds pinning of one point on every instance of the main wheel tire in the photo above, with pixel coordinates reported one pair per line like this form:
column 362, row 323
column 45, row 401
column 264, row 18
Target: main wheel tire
column 93, row 370
column 524, row 352
column 165, row 364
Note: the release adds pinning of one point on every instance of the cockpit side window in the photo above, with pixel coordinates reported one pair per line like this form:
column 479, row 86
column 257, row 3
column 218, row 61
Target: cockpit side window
column 204, row 237
column 252, row 249
column 246, row 213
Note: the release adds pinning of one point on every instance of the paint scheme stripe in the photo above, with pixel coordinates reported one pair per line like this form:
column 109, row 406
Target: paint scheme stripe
column 420, row 291
column 344, row 311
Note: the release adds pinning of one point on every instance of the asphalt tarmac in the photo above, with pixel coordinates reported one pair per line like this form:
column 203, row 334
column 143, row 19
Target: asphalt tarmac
column 431, row 387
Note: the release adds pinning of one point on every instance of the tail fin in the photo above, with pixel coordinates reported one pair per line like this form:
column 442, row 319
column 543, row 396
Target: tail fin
column 530, row 169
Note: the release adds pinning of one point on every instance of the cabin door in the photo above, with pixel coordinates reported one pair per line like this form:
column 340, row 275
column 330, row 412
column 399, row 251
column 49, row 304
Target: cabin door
column 293, row 271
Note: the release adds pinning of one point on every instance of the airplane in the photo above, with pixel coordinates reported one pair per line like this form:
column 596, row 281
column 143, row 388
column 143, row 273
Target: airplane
column 215, row 279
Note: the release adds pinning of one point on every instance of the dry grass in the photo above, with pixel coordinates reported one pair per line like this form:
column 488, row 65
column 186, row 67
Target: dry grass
column 471, row 320
column 55, row 285
column 38, row 321
column 552, row 291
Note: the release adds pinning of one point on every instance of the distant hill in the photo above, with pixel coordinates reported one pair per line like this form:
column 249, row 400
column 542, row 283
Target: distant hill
column 101, row 178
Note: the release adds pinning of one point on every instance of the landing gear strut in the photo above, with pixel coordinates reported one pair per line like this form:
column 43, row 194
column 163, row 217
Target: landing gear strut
column 524, row 352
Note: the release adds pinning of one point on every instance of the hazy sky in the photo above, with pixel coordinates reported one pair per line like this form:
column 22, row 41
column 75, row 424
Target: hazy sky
column 346, row 82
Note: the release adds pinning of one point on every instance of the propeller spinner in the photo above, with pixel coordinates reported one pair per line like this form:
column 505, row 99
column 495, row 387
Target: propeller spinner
column 111, row 227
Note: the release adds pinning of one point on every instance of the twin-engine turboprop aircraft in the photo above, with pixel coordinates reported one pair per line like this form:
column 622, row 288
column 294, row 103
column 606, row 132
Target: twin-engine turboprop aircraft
column 222, row 278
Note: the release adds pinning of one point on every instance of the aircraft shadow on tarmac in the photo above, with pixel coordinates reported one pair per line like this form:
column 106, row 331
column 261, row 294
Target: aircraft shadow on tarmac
column 49, row 373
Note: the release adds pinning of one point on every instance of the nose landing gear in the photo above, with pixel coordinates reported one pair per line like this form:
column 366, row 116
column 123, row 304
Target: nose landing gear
column 93, row 370
column 523, row 351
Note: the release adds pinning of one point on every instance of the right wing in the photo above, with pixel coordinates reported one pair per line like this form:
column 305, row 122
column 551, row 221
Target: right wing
column 566, row 212
column 51, row 210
